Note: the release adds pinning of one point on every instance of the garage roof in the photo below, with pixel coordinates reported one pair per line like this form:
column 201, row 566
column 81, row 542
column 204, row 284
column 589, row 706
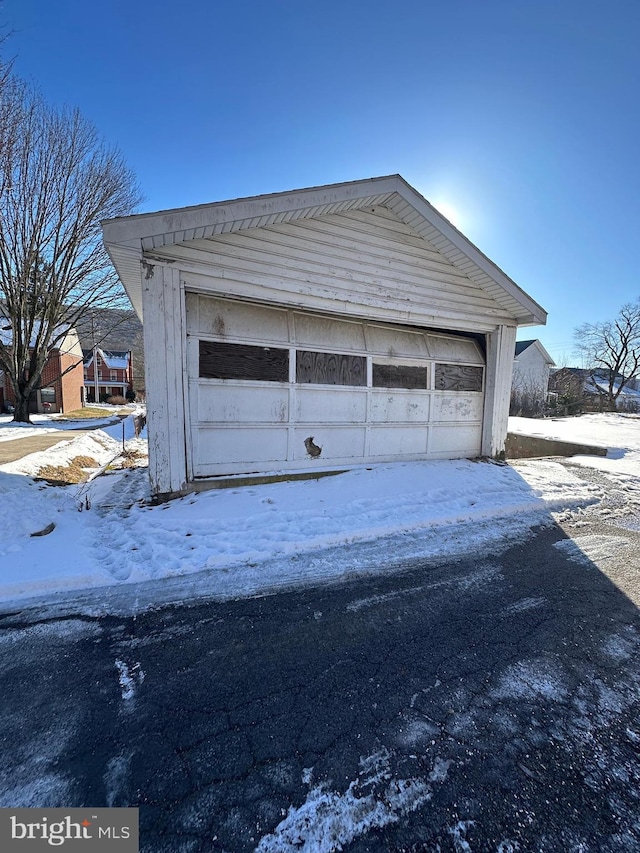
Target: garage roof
column 130, row 239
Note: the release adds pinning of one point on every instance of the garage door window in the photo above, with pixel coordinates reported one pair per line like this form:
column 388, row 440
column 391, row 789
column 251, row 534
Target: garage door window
column 458, row 377
column 330, row 368
column 399, row 376
column 241, row 361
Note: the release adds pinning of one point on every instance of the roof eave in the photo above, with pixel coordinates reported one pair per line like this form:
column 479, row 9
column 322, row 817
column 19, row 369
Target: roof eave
column 534, row 314
column 133, row 230
column 127, row 237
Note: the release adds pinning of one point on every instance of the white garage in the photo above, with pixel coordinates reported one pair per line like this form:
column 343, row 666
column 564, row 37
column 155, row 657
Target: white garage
column 316, row 329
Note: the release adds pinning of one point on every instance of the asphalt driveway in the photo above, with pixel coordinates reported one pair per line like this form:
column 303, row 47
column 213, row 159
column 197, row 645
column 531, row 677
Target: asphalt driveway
column 490, row 704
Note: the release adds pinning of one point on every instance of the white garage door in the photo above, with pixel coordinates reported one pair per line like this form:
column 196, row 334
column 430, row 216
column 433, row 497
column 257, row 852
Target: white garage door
column 275, row 389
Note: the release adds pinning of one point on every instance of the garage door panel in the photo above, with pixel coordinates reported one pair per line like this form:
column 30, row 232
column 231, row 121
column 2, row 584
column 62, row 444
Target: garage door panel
column 395, row 342
column 336, row 442
column 337, row 405
column 457, row 407
column 407, row 442
column 228, row 445
column 226, row 403
column 329, row 333
column 454, row 439
column 399, row 406
column 221, row 318
column 453, row 349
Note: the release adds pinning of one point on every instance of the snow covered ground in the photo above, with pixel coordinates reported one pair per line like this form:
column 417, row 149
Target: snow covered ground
column 252, row 539
column 619, row 433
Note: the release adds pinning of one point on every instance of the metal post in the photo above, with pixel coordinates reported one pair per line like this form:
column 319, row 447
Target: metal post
column 96, row 398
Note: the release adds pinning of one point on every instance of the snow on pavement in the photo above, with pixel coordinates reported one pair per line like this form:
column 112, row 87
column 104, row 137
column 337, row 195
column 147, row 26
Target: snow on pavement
column 41, row 424
column 327, row 820
column 247, row 540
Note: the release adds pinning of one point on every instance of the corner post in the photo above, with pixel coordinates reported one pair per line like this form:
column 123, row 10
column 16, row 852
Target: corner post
column 501, row 344
column 164, row 342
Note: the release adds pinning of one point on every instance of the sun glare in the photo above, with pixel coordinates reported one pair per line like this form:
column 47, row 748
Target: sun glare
column 448, row 211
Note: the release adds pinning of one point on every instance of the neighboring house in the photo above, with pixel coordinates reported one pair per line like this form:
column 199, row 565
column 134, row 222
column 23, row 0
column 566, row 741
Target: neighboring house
column 318, row 328
column 578, row 388
column 570, row 382
column 110, row 374
column 115, row 330
column 62, row 381
column 531, row 366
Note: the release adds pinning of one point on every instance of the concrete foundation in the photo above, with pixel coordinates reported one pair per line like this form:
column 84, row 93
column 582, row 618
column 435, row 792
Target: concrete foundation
column 528, row 446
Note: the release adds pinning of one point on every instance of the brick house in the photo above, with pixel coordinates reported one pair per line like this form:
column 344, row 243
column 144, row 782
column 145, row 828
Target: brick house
column 114, row 373
column 61, row 383
column 587, row 390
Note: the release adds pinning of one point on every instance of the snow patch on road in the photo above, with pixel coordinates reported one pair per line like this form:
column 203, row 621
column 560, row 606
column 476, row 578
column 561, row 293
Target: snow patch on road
column 465, row 583
column 459, row 833
column 621, row 646
column 593, row 548
column 76, row 629
column 508, row 846
column 417, row 733
column 130, row 678
column 28, row 778
column 115, row 779
column 532, row 679
column 45, row 791
column 525, row 604
column 327, row 821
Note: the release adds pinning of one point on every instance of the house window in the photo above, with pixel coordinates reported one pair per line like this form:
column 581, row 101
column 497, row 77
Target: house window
column 399, row 376
column 458, row 377
column 114, row 376
column 99, row 374
column 241, row 361
column 330, row 368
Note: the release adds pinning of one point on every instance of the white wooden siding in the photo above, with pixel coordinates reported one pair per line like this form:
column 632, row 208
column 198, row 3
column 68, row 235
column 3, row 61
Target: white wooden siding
column 338, row 264
column 531, row 372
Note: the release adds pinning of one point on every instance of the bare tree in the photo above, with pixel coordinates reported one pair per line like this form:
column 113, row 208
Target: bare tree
column 611, row 351
column 528, row 395
column 59, row 180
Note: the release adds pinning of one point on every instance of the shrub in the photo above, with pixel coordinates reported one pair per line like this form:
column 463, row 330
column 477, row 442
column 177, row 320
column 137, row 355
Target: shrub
column 527, row 404
column 117, row 400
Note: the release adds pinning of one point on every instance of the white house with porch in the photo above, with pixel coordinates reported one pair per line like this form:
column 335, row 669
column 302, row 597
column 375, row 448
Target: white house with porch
column 316, row 329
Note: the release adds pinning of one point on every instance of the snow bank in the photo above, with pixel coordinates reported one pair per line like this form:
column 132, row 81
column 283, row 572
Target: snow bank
column 252, row 539
column 247, row 540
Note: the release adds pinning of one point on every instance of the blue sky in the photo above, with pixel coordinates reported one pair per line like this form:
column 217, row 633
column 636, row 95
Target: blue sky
column 520, row 119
